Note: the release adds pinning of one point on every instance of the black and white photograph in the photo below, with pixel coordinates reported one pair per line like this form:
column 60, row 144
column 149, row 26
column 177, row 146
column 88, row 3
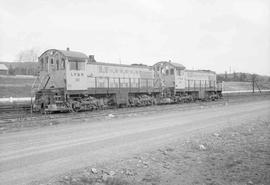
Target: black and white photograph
column 134, row 92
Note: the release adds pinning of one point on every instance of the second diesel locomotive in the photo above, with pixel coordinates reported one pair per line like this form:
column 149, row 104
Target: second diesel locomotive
column 72, row 81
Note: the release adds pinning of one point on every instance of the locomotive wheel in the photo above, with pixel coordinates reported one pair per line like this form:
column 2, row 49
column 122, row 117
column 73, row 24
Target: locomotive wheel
column 42, row 110
column 76, row 109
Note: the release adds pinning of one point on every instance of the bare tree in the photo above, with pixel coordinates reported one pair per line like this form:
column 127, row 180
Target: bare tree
column 30, row 55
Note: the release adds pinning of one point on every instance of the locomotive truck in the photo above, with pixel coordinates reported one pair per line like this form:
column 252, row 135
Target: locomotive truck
column 72, row 81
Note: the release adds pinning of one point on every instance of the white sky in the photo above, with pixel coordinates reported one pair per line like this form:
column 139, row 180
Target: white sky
column 200, row 34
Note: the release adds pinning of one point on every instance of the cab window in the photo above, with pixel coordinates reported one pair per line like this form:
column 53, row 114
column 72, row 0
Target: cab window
column 76, row 65
column 63, row 63
column 172, row 71
column 179, row 72
column 57, row 64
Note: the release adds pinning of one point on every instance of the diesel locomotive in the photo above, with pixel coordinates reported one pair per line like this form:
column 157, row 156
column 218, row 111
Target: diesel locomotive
column 72, row 81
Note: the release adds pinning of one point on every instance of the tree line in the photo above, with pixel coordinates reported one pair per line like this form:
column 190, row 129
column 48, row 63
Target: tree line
column 22, row 68
column 242, row 77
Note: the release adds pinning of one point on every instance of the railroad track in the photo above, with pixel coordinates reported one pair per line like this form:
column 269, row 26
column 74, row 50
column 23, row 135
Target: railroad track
column 11, row 111
column 14, row 114
column 12, row 117
column 14, row 107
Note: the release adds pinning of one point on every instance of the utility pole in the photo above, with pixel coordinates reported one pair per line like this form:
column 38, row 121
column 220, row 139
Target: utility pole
column 253, row 83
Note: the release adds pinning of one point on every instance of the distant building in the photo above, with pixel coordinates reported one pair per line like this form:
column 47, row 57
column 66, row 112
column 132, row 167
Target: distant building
column 3, row 69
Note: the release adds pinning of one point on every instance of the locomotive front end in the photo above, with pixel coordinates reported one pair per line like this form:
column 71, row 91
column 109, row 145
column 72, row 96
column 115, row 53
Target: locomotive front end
column 56, row 69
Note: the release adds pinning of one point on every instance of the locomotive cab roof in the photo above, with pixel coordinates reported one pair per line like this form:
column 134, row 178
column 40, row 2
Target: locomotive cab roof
column 173, row 64
column 74, row 54
column 67, row 53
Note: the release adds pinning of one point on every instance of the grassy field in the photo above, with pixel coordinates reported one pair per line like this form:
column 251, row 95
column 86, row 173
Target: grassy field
column 16, row 86
column 242, row 86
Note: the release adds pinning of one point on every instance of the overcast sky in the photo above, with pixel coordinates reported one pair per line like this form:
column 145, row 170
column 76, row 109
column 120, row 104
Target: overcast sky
column 200, row 34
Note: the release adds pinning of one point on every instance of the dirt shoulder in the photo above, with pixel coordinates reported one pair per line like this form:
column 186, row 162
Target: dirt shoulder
column 162, row 148
column 238, row 155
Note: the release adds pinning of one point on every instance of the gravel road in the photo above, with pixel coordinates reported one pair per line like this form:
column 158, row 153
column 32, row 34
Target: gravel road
column 37, row 154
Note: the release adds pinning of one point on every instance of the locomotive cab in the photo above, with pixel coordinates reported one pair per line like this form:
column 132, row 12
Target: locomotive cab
column 170, row 76
column 59, row 70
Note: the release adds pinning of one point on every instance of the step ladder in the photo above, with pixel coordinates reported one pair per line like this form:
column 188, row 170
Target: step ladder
column 41, row 83
column 159, row 82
